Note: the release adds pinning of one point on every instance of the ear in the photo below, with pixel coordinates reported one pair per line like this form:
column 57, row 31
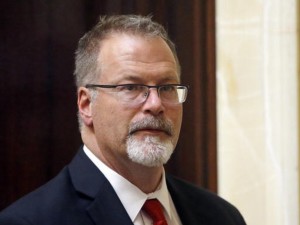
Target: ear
column 84, row 106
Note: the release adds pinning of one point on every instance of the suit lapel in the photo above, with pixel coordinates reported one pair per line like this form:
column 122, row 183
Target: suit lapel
column 107, row 208
column 104, row 207
column 189, row 210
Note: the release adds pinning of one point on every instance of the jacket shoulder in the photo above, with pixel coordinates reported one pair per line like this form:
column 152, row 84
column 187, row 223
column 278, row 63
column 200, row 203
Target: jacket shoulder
column 43, row 204
column 203, row 204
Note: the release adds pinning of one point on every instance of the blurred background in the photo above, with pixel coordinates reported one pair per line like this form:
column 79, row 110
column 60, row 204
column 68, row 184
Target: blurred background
column 241, row 120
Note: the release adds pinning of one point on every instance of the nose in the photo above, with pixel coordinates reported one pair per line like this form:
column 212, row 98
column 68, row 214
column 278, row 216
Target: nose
column 153, row 103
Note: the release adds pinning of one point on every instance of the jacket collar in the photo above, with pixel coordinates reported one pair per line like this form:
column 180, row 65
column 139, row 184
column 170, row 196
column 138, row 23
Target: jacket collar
column 105, row 206
column 193, row 206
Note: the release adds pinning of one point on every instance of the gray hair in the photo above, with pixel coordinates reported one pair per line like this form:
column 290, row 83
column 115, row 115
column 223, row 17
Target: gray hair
column 87, row 68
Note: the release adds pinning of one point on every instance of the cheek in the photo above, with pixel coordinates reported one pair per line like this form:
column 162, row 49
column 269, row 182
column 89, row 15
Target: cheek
column 175, row 114
column 176, row 118
column 111, row 121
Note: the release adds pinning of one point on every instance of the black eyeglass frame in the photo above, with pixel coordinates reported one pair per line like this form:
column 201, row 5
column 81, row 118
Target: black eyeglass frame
column 158, row 87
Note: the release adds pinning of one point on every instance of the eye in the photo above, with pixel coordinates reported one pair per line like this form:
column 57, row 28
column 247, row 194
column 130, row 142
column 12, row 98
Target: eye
column 128, row 87
column 131, row 88
column 167, row 88
column 129, row 92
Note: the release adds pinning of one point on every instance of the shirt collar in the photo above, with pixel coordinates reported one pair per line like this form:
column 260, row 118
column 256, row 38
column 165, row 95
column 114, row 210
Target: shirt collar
column 131, row 196
column 162, row 194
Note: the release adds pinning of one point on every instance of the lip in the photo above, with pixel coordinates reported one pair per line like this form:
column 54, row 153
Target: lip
column 150, row 131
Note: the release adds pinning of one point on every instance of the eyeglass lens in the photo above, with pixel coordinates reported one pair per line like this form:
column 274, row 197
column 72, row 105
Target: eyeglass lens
column 139, row 93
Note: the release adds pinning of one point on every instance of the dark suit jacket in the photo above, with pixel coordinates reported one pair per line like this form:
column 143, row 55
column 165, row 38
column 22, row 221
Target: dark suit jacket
column 81, row 195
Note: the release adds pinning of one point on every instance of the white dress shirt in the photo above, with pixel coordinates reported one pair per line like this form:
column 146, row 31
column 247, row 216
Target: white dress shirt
column 133, row 198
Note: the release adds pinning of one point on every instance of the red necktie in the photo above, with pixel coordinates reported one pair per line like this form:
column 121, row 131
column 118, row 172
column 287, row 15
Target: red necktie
column 153, row 208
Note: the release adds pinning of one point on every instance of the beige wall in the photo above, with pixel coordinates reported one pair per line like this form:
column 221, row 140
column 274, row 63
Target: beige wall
column 258, row 112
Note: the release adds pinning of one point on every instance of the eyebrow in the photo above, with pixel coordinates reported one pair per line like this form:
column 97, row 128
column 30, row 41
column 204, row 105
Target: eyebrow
column 137, row 79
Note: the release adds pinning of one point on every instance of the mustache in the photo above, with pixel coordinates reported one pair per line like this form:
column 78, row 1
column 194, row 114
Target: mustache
column 155, row 123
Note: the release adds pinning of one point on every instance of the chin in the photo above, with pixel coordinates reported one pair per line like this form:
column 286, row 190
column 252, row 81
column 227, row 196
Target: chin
column 151, row 151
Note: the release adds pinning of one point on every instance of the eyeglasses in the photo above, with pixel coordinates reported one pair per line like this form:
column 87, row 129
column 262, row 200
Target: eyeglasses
column 138, row 93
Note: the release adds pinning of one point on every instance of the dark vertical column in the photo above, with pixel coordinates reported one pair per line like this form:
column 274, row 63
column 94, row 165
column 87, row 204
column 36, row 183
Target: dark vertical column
column 191, row 25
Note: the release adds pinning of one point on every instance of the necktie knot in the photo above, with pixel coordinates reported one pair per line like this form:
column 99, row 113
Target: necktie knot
column 154, row 209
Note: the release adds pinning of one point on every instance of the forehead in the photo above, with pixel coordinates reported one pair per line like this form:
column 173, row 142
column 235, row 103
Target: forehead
column 132, row 55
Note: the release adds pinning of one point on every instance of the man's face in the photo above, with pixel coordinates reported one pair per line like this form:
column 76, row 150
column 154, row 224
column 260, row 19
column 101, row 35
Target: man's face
column 146, row 133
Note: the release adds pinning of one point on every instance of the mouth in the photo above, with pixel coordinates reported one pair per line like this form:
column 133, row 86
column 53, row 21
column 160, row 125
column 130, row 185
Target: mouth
column 153, row 131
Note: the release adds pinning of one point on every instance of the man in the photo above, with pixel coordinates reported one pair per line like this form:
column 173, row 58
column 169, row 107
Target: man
column 130, row 111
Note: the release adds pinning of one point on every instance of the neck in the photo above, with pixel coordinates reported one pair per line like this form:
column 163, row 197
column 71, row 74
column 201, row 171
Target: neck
column 147, row 179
